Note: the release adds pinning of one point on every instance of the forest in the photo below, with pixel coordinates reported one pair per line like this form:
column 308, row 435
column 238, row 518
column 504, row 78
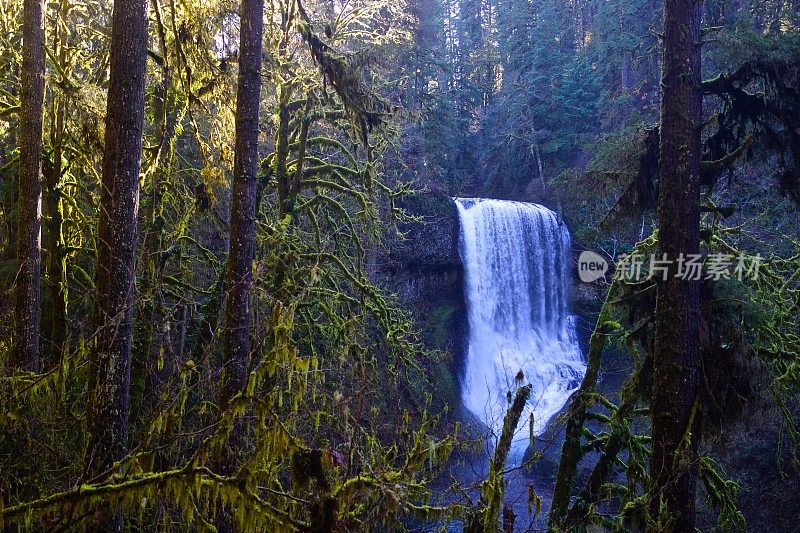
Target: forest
column 400, row 265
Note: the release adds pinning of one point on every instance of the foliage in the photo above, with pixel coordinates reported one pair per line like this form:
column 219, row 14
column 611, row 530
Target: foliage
column 753, row 120
column 364, row 101
column 324, row 447
column 749, row 348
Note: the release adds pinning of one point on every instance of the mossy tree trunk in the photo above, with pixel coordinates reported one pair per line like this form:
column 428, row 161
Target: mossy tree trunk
column 572, row 450
column 116, row 243
column 486, row 517
column 282, row 148
column 239, row 280
column 29, row 207
column 677, row 352
column 56, row 246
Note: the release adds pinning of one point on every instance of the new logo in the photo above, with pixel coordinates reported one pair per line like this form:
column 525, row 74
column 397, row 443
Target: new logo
column 591, row 267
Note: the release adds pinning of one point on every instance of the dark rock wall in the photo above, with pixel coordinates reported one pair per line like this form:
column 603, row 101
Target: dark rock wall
column 424, row 269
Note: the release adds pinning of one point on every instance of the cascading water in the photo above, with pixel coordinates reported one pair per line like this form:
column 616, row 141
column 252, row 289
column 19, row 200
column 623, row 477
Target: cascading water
column 516, row 263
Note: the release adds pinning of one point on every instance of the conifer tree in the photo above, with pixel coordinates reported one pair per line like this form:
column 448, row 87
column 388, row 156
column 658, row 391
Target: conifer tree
column 239, row 280
column 29, row 209
column 676, row 355
column 109, row 386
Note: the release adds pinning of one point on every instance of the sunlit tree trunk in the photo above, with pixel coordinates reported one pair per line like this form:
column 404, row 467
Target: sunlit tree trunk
column 676, row 355
column 29, row 207
column 116, row 240
column 238, row 316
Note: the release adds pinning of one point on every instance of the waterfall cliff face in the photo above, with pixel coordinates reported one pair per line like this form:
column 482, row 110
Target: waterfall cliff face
column 516, row 259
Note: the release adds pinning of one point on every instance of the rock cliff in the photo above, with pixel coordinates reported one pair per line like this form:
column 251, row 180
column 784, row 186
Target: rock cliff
column 424, row 269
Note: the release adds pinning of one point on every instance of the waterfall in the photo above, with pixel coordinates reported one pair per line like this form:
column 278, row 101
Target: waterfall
column 516, row 260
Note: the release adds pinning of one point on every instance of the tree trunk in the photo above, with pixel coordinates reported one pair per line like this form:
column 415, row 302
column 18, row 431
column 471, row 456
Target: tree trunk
column 676, row 351
column 282, row 148
column 571, row 450
column 116, row 243
column 486, row 517
column 243, row 210
column 29, row 210
column 56, row 257
column 55, row 245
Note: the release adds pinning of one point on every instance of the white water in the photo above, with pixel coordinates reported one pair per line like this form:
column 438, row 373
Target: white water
column 516, row 259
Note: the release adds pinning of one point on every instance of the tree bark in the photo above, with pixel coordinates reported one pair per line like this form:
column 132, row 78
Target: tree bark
column 55, row 246
column 109, row 384
column 486, row 517
column 571, row 450
column 29, row 207
column 282, row 149
column 243, row 210
column 676, row 352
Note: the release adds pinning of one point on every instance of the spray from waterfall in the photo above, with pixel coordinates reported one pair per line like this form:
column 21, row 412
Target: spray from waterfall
column 516, row 263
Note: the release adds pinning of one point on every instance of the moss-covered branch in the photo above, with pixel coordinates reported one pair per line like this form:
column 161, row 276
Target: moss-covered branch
column 486, row 517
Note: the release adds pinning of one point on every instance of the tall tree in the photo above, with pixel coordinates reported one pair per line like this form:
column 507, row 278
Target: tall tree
column 56, row 264
column 29, row 231
column 676, row 357
column 116, row 241
column 239, row 280
column 471, row 34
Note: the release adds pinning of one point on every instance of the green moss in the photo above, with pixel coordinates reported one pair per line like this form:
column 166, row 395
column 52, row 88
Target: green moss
column 441, row 325
column 429, row 203
column 446, row 385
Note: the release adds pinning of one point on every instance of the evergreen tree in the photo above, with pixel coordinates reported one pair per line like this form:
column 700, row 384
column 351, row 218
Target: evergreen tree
column 29, row 210
column 239, row 280
column 676, row 353
column 625, row 51
column 109, row 385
